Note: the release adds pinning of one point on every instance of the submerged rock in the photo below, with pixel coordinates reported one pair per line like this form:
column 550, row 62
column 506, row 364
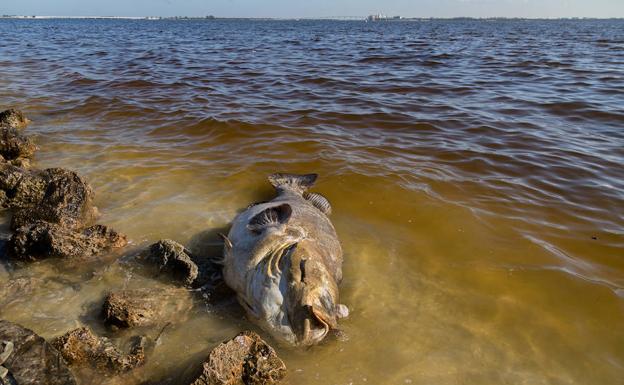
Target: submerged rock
column 17, row 289
column 81, row 347
column 13, row 118
column 146, row 307
column 59, row 196
column 244, row 360
column 41, row 240
column 32, row 361
column 172, row 258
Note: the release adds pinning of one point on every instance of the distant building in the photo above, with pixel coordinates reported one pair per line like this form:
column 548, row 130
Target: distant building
column 377, row 17
column 382, row 17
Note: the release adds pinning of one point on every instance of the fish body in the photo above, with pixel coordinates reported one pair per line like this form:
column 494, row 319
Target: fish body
column 284, row 260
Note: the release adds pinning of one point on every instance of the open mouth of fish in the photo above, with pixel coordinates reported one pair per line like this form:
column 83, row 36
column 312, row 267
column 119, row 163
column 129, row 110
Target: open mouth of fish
column 315, row 328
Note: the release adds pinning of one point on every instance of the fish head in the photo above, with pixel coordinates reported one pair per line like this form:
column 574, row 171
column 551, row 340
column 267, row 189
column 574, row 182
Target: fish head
column 312, row 298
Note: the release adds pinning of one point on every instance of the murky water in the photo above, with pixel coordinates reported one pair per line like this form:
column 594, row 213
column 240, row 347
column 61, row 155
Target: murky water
column 476, row 173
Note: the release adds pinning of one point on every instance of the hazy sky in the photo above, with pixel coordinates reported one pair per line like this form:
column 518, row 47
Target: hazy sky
column 312, row 8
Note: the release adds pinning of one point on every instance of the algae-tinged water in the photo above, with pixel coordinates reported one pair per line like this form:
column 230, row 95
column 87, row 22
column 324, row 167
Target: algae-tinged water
column 474, row 169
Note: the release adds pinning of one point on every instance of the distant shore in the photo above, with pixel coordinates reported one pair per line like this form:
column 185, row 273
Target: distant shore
column 339, row 18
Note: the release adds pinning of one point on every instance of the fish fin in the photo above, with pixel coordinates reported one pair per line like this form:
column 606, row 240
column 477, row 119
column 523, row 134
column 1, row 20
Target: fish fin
column 319, row 201
column 296, row 182
column 270, row 217
column 226, row 241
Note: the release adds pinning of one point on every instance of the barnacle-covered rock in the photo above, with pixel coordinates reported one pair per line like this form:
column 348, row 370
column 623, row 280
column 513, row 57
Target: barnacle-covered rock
column 80, row 347
column 13, row 118
column 31, row 360
column 53, row 195
column 244, row 360
column 41, row 240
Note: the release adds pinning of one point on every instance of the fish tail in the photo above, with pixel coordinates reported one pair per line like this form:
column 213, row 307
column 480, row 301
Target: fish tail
column 299, row 183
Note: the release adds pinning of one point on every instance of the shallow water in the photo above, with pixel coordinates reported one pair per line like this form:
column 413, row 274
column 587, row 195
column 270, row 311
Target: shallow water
column 475, row 171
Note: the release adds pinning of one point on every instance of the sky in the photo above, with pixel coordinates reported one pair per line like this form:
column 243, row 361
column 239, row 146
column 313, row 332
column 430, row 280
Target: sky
column 317, row 8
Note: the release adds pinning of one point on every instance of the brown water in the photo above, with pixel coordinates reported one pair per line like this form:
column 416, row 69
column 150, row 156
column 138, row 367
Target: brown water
column 476, row 173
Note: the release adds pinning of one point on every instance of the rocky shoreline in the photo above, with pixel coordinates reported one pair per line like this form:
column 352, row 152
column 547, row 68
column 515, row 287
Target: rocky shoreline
column 53, row 216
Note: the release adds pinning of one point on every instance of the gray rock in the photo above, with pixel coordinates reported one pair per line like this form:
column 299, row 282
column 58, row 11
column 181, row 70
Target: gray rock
column 80, row 347
column 244, row 360
column 187, row 268
column 32, row 361
column 41, row 240
column 172, row 258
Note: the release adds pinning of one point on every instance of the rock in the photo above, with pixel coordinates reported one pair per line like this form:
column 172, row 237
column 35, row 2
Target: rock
column 81, row 347
column 146, row 307
column 54, row 193
column 187, row 268
column 210, row 275
column 51, row 208
column 32, row 361
column 23, row 163
column 10, row 178
column 172, row 258
column 66, row 200
column 13, row 118
column 20, row 187
column 244, row 360
column 14, row 145
column 41, row 240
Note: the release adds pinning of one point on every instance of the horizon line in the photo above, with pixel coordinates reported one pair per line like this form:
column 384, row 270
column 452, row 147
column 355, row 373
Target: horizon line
column 357, row 17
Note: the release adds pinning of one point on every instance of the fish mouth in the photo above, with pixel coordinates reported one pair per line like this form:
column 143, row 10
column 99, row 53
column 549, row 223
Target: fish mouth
column 315, row 327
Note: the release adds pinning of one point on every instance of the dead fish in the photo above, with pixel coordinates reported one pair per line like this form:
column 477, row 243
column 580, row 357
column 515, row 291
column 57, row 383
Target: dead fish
column 284, row 261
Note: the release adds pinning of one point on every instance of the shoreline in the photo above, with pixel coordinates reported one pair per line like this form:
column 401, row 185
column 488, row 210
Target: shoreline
column 53, row 218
